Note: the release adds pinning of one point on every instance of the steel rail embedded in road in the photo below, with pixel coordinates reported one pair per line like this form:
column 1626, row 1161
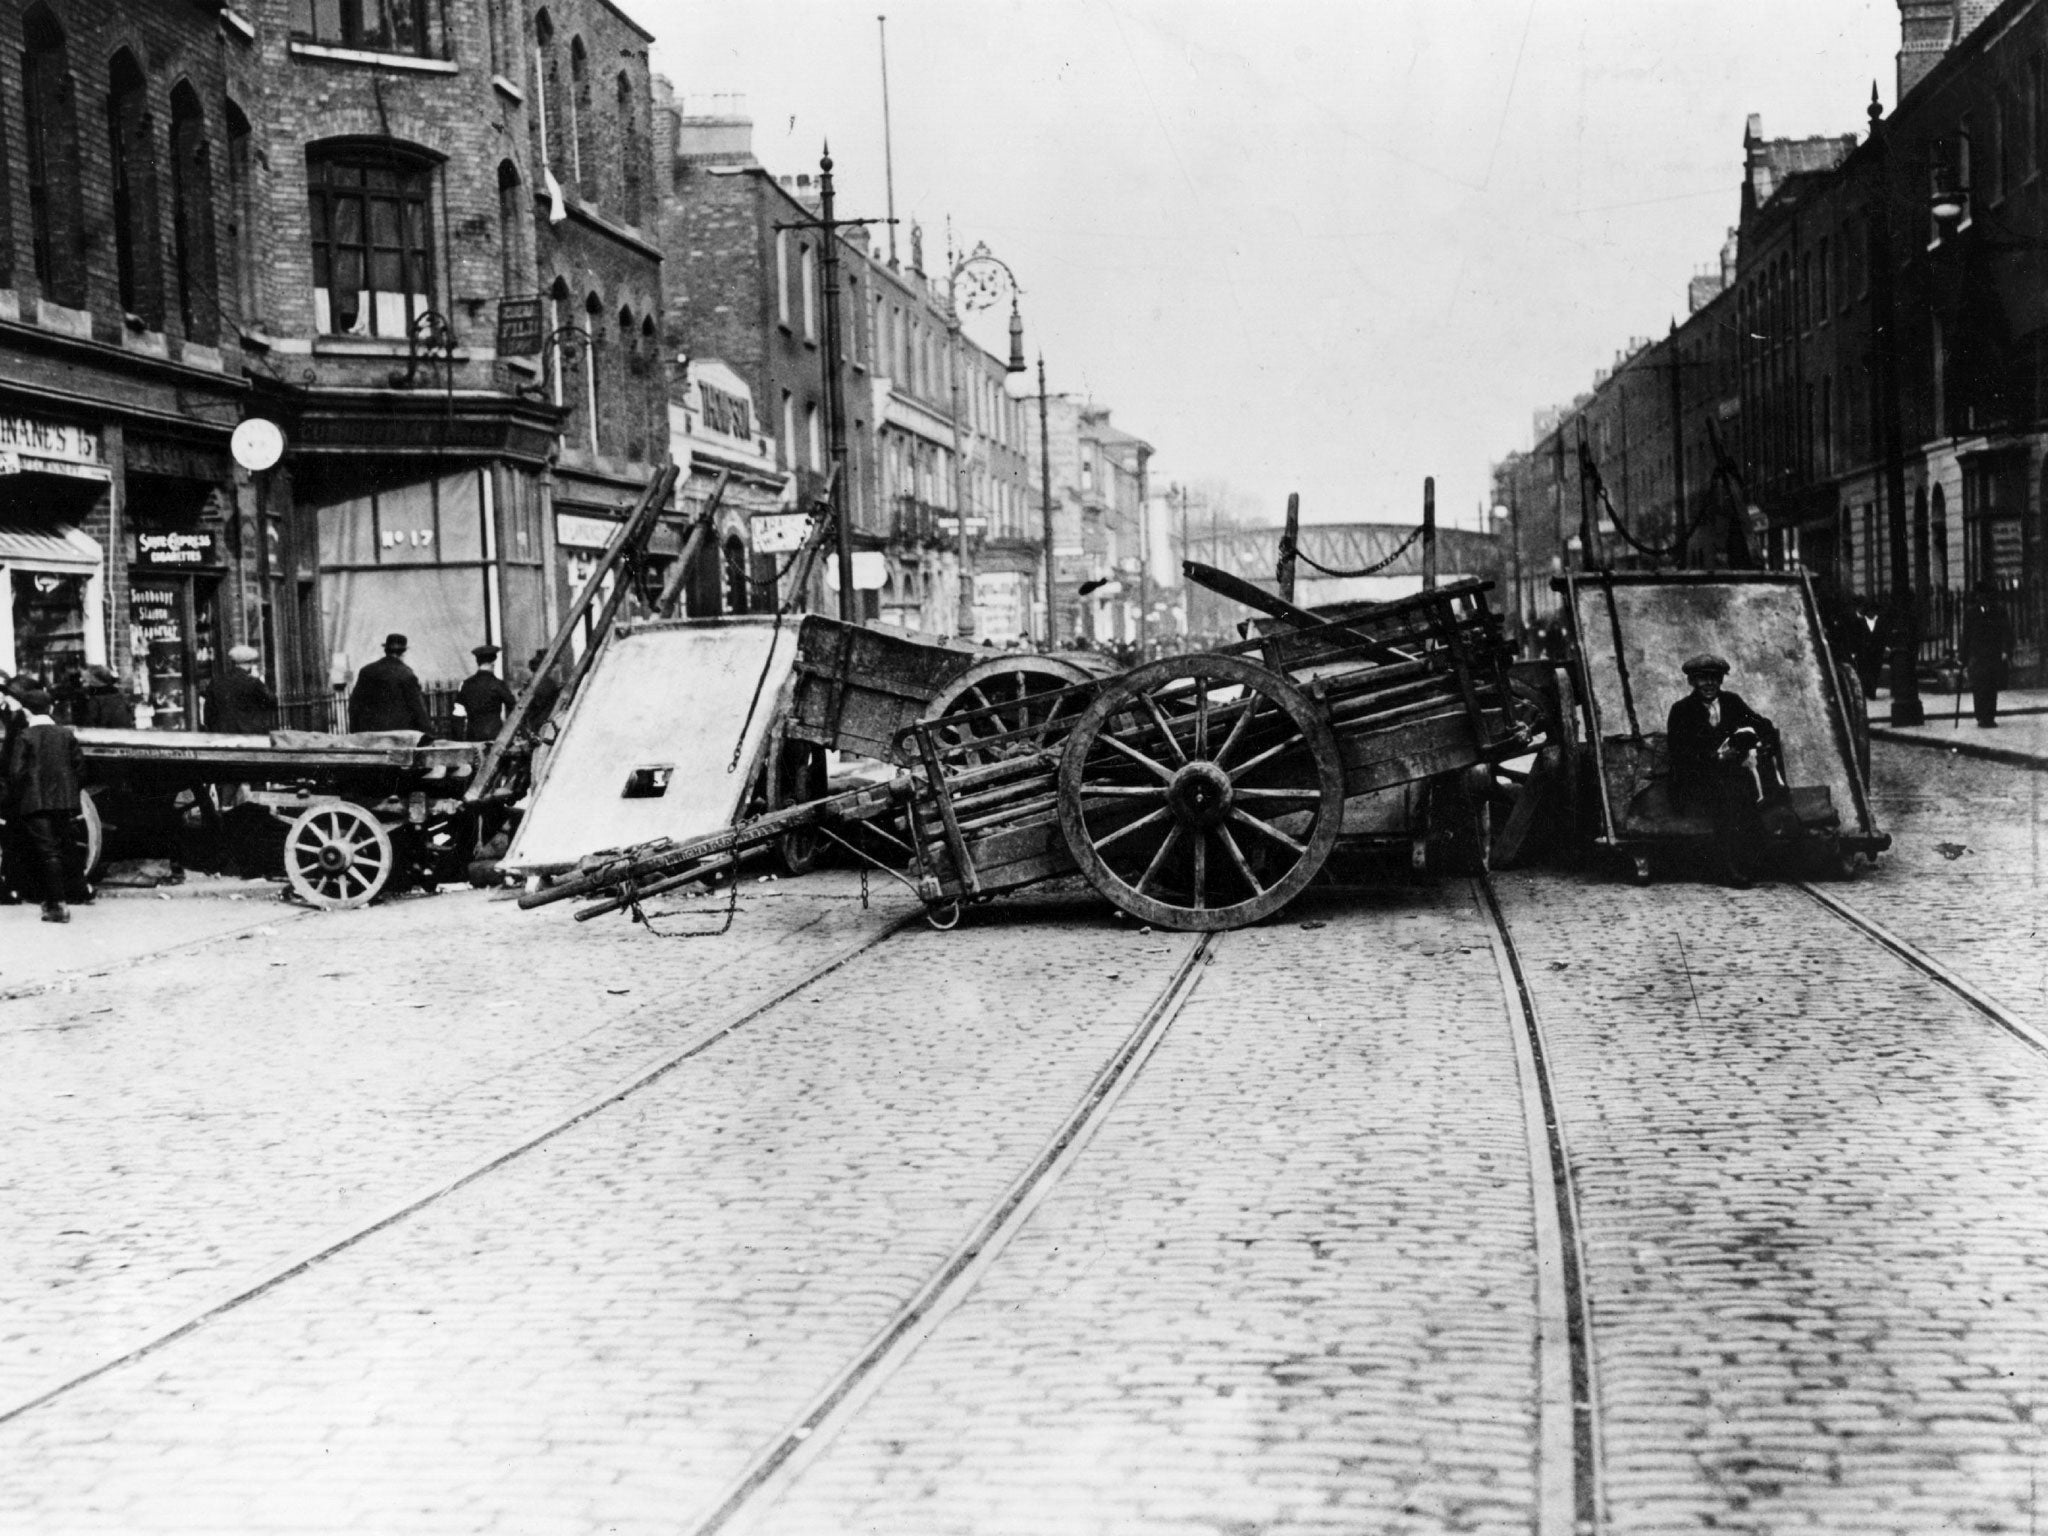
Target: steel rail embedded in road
column 333, row 1243
column 1568, row 1493
column 1927, row 965
column 775, row 1467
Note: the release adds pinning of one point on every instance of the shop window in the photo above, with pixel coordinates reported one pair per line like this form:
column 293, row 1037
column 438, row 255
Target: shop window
column 192, row 218
column 373, row 263
column 379, row 26
column 56, row 219
column 131, row 144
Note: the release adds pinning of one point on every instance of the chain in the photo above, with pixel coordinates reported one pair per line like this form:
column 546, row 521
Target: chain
column 646, row 919
column 1289, row 547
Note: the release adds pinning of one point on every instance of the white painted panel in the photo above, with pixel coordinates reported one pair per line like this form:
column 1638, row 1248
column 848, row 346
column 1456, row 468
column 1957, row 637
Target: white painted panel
column 668, row 695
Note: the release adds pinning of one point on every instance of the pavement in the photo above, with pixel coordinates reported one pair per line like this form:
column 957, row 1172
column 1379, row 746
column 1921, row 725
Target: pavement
column 2020, row 738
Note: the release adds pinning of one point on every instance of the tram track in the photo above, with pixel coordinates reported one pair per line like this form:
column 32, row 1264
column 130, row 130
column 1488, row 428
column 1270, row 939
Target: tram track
column 1568, row 1443
column 419, row 1200
column 1905, row 950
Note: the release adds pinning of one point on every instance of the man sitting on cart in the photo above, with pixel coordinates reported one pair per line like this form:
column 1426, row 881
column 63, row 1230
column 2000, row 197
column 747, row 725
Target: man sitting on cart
column 1713, row 737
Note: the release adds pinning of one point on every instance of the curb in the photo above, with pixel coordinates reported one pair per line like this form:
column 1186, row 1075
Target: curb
column 2010, row 756
column 197, row 890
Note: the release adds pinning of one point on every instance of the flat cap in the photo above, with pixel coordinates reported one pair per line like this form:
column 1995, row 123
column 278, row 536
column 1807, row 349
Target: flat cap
column 1706, row 661
column 243, row 653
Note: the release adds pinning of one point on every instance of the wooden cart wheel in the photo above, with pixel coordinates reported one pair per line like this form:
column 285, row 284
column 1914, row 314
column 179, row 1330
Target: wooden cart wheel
column 796, row 775
column 1027, row 693
column 337, row 855
column 1201, row 792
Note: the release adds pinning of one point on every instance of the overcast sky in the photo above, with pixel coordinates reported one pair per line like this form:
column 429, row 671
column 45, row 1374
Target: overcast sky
column 1325, row 247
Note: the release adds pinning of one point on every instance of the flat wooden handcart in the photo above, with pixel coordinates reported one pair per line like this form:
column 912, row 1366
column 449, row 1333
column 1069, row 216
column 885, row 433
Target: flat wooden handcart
column 360, row 815
column 1630, row 634
column 1198, row 792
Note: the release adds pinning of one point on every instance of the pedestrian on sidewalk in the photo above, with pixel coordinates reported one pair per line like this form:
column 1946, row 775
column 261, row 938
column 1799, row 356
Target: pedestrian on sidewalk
column 1712, row 736
column 484, row 698
column 44, row 767
column 387, row 695
column 238, row 702
column 1987, row 650
column 106, row 707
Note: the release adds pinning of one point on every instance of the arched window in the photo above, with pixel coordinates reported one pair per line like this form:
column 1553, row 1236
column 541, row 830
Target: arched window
column 594, row 379
column 192, row 218
column 736, row 574
column 579, row 123
column 564, row 357
column 631, row 153
column 547, row 79
column 630, row 436
column 380, row 26
column 373, row 257
column 56, row 221
column 656, row 388
column 514, row 276
column 241, row 218
column 131, row 142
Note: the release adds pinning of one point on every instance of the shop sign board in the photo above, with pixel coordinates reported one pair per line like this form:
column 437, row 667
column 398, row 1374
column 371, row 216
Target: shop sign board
column 50, row 448
column 777, row 533
column 579, row 532
column 174, row 550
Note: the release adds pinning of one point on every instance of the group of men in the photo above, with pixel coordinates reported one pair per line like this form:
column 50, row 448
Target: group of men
column 388, row 697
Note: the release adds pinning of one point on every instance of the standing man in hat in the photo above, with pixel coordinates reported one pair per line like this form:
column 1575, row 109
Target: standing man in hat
column 238, row 701
column 106, row 706
column 1712, row 734
column 387, row 695
column 1987, row 648
column 484, row 698
column 44, row 766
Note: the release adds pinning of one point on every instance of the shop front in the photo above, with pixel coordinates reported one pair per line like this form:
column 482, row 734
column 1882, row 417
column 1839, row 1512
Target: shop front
column 54, row 480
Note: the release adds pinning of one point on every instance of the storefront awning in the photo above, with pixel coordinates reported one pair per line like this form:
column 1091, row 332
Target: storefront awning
column 58, row 547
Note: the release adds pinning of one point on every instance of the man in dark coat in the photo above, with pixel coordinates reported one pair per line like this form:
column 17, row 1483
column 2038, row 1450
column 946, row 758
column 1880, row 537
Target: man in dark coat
column 484, row 698
column 387, row 695
column 544, row 696
column 1711, row 735
column 238, row 701
column 106, row 707
column 44, row 766
column 1987, row 647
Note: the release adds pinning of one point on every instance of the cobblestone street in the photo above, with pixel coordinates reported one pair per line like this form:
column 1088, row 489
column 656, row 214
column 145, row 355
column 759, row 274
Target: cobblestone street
column 443, row 1217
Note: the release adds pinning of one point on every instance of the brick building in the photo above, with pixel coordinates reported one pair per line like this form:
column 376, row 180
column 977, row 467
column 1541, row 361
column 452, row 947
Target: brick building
column 452, row 314
column 123, row 535
column 1879, row 340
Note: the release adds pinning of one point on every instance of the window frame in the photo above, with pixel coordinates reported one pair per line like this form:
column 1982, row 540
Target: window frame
column 349, row 30
column 417, row 171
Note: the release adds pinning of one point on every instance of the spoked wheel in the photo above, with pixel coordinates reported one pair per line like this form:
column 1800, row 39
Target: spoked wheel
column 797, row 775
column 1201, row 792
column 1028, row 697
column 337, row 855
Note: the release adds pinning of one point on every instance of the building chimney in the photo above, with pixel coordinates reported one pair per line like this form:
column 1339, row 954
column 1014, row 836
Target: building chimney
column 1927, row 29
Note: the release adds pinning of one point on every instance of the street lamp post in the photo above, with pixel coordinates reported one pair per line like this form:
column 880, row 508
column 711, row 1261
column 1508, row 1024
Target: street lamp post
column 986, row 274
column 1905, row 619
column 1052, row 623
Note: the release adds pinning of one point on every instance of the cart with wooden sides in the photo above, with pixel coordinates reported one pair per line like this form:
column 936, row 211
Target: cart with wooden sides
column 1199, row 792
column 1630, row 635
column 355, row 816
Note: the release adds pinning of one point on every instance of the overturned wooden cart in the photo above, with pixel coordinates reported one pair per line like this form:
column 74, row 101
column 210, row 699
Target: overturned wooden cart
column 1199, row 792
